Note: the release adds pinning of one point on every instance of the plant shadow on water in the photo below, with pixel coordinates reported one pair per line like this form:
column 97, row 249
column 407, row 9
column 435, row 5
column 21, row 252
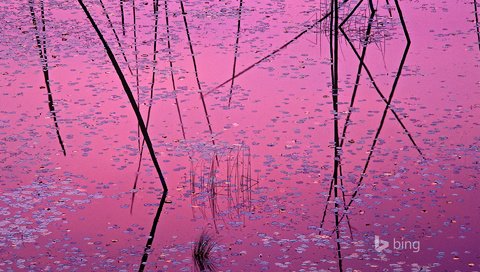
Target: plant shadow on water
column 153, row 230
column 212, row 170
column 129, row 94
column 202, row 253
column 239, row 173
column 224, row 189
column 42, row 52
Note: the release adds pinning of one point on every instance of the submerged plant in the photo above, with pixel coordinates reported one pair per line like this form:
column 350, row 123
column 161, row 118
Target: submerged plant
column 202, row 252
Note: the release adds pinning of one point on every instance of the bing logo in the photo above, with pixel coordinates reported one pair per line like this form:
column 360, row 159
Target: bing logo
column 381, row 245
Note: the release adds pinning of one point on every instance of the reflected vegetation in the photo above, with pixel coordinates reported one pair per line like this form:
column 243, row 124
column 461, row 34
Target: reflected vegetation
column 40, row 37
column 202, row 253
column 153, row 231
column 293, row 135
column 223, row 191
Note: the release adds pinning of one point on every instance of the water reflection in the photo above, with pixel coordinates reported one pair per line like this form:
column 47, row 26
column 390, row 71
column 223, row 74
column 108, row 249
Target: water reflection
column 225, row 189
column 365, row 137
column 129, row 93
column 42, row 52
column 153, row 230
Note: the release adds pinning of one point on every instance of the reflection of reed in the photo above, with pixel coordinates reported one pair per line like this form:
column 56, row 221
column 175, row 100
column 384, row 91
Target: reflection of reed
column 199, row 85
column 387, row 106
column 170, row 61
column 361, row 66
column 372, row 80
column 152, row 87
column 129, row 94
column 336, row 159
column 386, row 109
column 123, row 17
column 135, row 52
column 334, row 29
column 137, row 85
column 357, row 83
column 230, row 181
column 348, row 116
column 110, row 24
column 271, row 54
column 357, row 80
column 317, row 24
column 202, row 253
column 151, row 237
column 236, row 51
column 477, row 24
column 154, row 67
column 152, row 84
column 42, row 52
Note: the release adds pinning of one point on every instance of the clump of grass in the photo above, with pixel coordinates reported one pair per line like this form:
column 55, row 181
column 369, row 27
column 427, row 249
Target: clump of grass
column 202, row 252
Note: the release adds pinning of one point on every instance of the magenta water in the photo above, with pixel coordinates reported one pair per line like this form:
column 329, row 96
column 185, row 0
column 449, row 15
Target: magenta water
column 292, row 135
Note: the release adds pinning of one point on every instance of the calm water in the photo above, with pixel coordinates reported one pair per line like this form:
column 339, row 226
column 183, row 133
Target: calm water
column 294, row 137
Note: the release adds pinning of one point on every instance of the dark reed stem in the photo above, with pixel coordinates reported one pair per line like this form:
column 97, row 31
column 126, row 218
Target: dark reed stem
column 389, row 8
column 154, row 61
column 110, row 24
column 239, row 21
column 42, row 52
column 137, row 79
column 274, row 52
column 170, row 60
column 477, row 24
column 385, row 111
column 213, row 195
column 152, row 87
column 357, row 81
column 344, row 200
column 377, row 89
column 202, row 253
column 336, row 159
column 151, row 237
column 123, row 17
column 137, row 83
column 331, row 183
column 129, row 94
column 342, row 138
column 199, row 85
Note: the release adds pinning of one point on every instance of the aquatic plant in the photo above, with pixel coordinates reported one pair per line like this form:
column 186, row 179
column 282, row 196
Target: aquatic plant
column 202, row 252
column 42, row 52
column 153, row 231
column 129, row 94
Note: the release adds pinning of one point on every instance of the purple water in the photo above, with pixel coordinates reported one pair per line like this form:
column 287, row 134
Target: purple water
column 261, row 177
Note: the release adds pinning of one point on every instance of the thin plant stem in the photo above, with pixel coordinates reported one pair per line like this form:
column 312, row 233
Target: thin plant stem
column 152, row 88
column 153, row 230
column 477, row 24
column 237, row 39
column 385, row 111
column 110, row 24
column 170, row 61
column 129, row 94
column 42, row 52
column 363, row 65
column 199, row 85
column 337, row 151
column 123, row 17
column 135, row 49
column 274, row 52
column 331, row 183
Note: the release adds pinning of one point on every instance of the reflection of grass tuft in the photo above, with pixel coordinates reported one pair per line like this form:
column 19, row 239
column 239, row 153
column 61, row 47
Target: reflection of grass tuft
column 202, row 252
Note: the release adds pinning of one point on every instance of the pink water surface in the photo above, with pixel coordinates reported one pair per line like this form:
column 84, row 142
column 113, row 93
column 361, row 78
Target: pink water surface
column 75, row 212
